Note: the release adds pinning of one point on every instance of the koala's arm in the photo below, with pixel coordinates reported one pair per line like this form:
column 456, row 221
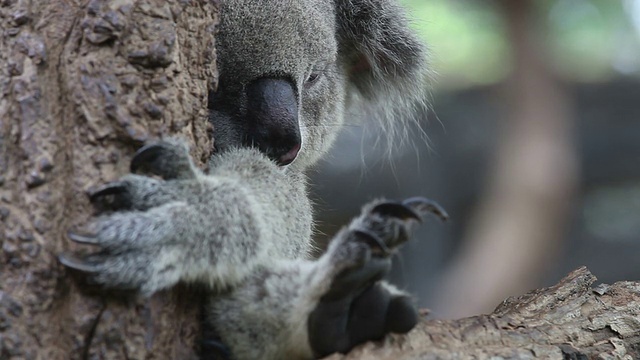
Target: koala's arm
column 300, row 309
column 245, row 227
column 189, row 226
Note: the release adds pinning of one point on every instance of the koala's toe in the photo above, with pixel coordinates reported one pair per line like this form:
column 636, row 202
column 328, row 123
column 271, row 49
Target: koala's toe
column 351, row 282
column 367, row 316
column 359, row 269
column 350, row 254
column 372, row 239
column 402, row 315
column 340, row 325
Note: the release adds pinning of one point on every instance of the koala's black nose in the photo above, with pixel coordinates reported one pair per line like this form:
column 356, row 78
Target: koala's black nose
column 272, row 118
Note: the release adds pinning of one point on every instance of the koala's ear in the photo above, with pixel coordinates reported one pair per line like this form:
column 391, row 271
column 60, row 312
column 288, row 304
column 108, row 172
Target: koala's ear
column 381, row 54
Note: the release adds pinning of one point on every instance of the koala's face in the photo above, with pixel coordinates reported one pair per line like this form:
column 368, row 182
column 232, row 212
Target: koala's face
column 280, row 88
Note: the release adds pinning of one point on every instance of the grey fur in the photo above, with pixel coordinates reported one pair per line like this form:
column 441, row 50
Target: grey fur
column 363, row 50
column 244, row 229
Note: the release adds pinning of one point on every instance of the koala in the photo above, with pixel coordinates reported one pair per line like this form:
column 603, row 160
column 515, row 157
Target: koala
column 290, row 72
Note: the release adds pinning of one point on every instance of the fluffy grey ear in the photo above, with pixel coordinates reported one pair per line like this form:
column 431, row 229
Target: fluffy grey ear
column 381, row 54
column 387, row 68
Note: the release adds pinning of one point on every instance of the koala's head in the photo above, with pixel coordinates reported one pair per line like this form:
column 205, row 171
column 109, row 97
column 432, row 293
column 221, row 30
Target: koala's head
column 290, row 68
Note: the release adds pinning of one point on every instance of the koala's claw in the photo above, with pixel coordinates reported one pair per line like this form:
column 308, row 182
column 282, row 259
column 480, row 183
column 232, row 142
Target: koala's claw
column 146, row 156
column 382, row 227
column 169, row 159
column 385, row 225
column 373, row 240
column 415, row 208
column 75, row 263
column 113, row 196
column 82, row 239
column 112, row 188
column 397, row 210
column 425, row 206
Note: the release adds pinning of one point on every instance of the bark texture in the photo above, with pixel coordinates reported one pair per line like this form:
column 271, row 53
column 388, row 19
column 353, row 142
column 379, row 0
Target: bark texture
column 82, row 85
column 570, row 321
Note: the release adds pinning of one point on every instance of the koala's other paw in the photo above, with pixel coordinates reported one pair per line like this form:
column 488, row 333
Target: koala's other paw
column 143, row 221
column 358, row 307
column 361, row 252
column 137, row 250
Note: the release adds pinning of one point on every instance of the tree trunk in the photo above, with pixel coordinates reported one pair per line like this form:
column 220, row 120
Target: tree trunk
column 82, row 85
column 568, row 321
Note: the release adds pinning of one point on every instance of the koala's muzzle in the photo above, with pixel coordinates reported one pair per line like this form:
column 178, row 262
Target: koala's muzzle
column 272, row 119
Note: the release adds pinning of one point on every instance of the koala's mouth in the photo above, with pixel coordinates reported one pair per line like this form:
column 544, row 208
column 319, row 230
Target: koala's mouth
column 280, row 157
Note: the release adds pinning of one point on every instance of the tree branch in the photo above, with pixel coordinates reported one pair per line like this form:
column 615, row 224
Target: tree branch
column 570, row 320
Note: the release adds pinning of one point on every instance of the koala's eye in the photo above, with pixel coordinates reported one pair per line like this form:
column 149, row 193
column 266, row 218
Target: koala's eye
column 313, row 78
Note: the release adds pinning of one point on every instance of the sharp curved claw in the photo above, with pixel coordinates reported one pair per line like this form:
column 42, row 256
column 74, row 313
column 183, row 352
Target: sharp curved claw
column 373, row 240
column 113, row 188
column 425, row 205
column 397, row 210
column 146, row 155
column 73, row 262
column 82, row 239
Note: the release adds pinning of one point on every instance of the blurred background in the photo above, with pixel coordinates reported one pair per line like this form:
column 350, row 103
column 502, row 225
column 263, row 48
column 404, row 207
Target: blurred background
column 533, row 148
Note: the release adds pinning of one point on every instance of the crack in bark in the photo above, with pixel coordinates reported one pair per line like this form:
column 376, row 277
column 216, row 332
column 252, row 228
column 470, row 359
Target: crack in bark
column 92, row 331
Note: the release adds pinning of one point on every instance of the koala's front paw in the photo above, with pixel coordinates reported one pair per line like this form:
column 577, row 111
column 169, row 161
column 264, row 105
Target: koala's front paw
column 138, row 250
column 358, row 307
column 361, row 252
column 140, row 235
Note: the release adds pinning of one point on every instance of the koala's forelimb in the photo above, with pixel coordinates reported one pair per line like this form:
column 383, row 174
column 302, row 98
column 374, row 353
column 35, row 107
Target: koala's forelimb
column 301, row 309
column 232, row 231
column 164, row 231
column 357, row 307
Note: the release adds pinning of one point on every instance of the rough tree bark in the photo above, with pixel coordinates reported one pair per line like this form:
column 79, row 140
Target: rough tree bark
column 82, row 85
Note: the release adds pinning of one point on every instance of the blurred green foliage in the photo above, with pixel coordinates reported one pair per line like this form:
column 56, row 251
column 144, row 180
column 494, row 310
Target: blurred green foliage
column 585, row 40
